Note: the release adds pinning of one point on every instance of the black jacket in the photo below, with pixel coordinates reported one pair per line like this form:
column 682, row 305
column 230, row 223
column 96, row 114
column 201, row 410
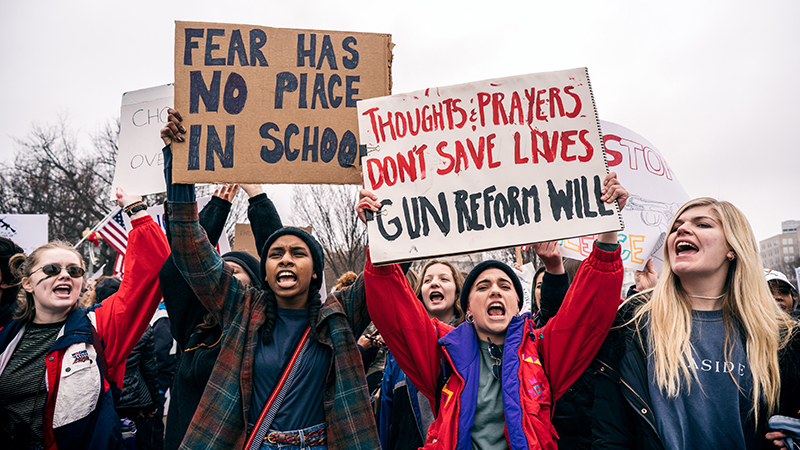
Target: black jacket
column 199, row 349
column 572, row 414
column 623, row 417
column 140, row 387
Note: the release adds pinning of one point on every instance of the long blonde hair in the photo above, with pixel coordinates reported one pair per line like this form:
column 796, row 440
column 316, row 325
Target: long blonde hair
column 747, row 305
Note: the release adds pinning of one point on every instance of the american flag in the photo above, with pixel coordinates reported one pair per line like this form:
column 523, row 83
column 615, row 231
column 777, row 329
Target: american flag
column 114, row 232
column 119, row 265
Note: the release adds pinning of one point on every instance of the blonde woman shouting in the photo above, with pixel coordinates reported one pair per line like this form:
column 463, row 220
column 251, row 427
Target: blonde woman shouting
column 704, row 358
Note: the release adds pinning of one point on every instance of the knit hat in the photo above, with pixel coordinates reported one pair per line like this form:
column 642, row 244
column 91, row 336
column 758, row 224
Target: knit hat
column 249, row 263
column 106, row 288
column 316, row 254
column 482, row 267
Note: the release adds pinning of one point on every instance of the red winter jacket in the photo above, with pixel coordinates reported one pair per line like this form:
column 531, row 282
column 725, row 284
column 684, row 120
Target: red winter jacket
column 538, row 364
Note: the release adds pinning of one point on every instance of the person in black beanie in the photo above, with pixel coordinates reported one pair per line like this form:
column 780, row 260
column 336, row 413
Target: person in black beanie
column 8, row 285
column 196, row 331
column 495, row 378
column 327, row 403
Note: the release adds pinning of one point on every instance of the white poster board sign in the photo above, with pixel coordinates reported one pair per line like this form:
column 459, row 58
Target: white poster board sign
column 484, row 165
column 157, row 213
column 655, row 196
column 29, row 231
column 140, row 163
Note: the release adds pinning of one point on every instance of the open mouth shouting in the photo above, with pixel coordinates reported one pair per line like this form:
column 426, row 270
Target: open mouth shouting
column 496, row 311
column 685, row 248
column 286, row 279
column 63, row 290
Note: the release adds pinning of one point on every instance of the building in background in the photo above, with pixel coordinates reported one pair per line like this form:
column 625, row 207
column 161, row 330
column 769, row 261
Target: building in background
column 782, row 252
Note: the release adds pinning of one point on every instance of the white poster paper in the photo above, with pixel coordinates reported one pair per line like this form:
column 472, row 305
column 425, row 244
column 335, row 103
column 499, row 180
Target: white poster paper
column 655, row 196
column 29, row 231
column 140, row 163
column 484, row 165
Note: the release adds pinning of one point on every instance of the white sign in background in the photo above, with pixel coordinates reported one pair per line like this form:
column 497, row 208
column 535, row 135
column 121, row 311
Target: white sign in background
column 140, row 163
column 29, row 231
column 484, row 165
column 655, row 196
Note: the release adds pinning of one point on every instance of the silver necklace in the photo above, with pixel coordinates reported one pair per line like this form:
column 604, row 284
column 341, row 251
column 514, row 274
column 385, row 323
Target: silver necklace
column 707, row 298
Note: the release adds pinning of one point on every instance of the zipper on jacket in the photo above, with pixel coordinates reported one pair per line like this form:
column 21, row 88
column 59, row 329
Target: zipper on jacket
column 635, row 407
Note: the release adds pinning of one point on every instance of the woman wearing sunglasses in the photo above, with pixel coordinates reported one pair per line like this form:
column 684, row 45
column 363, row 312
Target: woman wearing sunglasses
column 60, row 364
column 493, row 380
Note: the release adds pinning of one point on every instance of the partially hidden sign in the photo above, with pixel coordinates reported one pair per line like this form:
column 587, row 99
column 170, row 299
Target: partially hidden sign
column 484, row 165
column 655, row 197
column 140, row 163
column 273, row 105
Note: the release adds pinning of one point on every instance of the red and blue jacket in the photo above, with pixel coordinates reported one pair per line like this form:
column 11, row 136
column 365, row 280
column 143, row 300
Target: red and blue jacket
column 81, row 373
column 539, row 365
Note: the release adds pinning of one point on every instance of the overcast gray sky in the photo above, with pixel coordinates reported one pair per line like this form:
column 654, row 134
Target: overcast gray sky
column 713, row 84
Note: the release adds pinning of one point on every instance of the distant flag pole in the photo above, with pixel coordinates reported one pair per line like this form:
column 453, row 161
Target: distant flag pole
column 113, row 211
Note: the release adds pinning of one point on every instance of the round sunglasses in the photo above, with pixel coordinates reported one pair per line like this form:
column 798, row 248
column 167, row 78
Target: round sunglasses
column 52, row 270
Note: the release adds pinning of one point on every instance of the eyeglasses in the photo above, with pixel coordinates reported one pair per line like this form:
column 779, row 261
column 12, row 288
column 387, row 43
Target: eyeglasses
column 497, row 354
column 52, row 270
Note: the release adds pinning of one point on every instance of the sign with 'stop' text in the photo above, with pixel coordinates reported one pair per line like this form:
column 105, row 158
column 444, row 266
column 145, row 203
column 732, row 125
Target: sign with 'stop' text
column 140, row 163
column 484, row 165
column 655, row 197
column 272, row 105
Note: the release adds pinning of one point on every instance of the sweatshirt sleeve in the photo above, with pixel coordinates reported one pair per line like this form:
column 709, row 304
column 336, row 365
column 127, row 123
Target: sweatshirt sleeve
column 570, row 340
column 404, row 326
column 125, row 315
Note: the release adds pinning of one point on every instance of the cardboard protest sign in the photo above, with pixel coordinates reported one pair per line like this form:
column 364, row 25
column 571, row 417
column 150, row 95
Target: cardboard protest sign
column 243, row 239
column 29, row 231
column 655, row 196
column 273, row 105
column 140, row 163
column 484, row 165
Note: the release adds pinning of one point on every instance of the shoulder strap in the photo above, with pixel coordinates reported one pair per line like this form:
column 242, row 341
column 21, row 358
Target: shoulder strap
column 276, row 398
column 99, row 347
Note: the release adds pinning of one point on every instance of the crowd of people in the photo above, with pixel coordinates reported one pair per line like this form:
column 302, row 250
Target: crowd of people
column 252, row 353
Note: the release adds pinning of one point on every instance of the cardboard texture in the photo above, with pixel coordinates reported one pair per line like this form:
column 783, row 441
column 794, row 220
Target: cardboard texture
column 243, row 239
column 273, row 105
column 484, row 165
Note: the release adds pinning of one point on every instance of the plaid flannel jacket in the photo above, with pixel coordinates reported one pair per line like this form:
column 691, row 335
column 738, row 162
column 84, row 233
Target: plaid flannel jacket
column 220, row 419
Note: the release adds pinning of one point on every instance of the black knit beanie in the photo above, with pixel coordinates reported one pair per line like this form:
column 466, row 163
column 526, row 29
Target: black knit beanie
column 106, row 288
column 316, row 254
column 249, row 263
column 482, row 267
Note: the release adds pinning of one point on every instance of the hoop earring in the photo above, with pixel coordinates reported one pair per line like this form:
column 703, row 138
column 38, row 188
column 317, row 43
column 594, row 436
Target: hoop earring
column 468, row 318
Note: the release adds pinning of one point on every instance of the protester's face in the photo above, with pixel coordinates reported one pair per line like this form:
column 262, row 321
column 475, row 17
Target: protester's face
column 493, row 302
column 290, row 268
column 696, row 245
column 439, row 291
column 784, row 299
column 538, row 290
column 54, row 295
column 240, row 274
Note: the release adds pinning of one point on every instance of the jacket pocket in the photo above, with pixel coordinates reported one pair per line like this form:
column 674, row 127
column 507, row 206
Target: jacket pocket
column 79, row 385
